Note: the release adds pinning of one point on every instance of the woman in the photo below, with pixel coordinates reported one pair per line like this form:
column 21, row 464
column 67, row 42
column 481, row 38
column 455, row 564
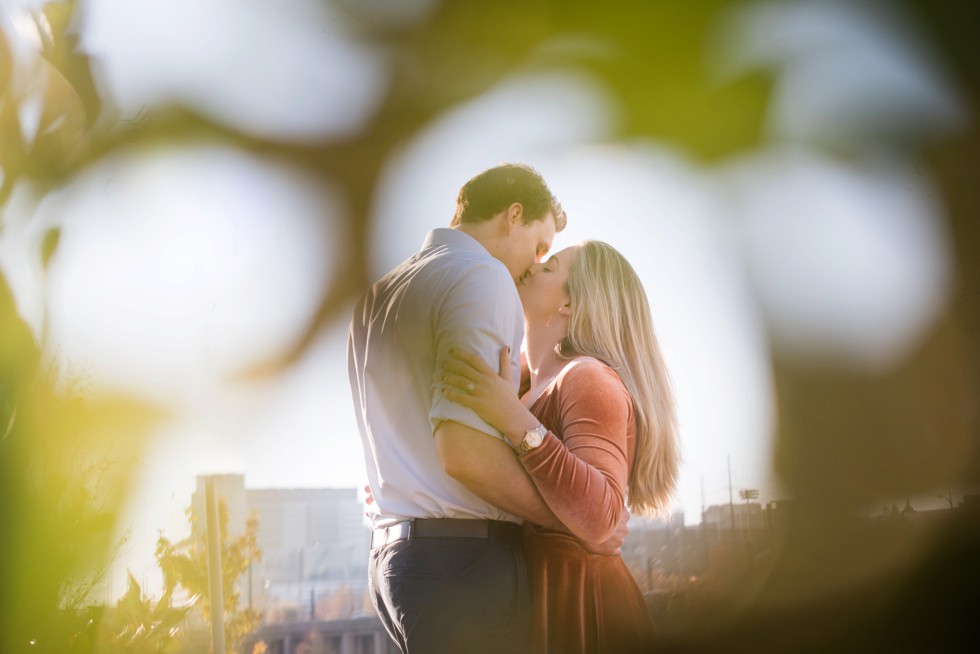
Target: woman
column 599, row 386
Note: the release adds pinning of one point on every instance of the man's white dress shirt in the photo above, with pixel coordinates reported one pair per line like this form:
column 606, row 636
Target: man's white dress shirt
column 452, row 293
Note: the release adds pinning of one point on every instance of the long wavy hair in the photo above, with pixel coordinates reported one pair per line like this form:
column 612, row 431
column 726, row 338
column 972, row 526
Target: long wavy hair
column 610, row 320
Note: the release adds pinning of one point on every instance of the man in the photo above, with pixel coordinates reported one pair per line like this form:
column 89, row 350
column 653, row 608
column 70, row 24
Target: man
column 446, row 569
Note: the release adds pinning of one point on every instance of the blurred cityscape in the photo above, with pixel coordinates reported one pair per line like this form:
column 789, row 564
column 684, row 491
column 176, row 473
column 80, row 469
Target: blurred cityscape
column 310, row 585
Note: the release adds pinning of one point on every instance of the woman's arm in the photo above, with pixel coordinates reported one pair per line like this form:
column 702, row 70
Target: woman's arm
column 583, row 479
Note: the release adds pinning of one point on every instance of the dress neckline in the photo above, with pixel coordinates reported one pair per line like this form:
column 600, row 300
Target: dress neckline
column 551, row 382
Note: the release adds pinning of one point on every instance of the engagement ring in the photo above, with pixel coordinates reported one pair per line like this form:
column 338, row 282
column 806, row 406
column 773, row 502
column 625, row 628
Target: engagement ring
column 470, row 386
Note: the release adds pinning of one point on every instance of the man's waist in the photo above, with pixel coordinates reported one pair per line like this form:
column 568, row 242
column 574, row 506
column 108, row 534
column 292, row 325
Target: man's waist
column 396, row 502
column 444, row 528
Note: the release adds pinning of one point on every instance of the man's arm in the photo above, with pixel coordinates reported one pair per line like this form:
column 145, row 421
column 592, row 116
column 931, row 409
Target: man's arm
column 488, row 468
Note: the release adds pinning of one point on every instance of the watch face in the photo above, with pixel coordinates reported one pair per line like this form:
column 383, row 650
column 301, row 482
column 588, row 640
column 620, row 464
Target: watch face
column 532, row 439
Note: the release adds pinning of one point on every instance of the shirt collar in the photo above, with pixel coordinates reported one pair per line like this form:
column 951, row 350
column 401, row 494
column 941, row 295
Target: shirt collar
column 454, row 238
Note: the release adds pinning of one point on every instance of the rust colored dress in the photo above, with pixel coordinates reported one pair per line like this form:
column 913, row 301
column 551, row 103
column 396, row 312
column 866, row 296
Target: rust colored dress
column 583, row 602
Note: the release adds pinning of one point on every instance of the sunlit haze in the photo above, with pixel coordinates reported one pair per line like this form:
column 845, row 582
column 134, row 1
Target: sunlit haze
column 181, row 266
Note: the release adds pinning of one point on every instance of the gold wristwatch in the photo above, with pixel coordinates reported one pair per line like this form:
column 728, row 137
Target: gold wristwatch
column 532, row 439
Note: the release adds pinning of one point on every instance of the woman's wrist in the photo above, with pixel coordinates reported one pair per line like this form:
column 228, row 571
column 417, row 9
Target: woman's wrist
column 519, row 427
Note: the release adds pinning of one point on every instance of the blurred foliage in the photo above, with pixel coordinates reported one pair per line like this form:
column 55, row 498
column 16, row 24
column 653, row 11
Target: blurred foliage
column 60, row 84
column 135, row 624
column 843, row 438
column 66, row 462
column 185, row 565
column 139, row 624
column 66, row 456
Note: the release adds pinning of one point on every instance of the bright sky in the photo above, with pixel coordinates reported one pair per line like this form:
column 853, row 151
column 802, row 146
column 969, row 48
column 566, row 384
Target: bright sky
column 177, row 266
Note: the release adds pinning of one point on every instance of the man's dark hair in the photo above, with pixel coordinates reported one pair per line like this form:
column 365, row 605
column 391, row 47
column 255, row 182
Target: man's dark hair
column 493, row 190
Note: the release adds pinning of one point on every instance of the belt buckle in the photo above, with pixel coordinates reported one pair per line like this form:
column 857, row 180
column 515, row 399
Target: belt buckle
column 402, row 530
column 391, row 533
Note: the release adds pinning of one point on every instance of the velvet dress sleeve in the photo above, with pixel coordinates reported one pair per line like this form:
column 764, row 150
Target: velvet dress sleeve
column 583, row 476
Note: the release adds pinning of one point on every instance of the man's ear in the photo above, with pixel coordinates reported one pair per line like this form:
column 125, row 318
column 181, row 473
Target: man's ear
column 515, row 215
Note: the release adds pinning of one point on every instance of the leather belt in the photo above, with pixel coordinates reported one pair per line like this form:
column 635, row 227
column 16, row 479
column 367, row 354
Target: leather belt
column 440, row 528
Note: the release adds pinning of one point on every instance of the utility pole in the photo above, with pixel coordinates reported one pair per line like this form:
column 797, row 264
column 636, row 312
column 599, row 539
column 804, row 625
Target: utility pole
column 731, row 501
column 702, row 498
column 214, row 567
column 748, row 494
column 704, row 526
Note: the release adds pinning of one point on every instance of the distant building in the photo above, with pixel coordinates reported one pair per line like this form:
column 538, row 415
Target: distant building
column 364, row 635
column 675, row 521
column 745, row 516
column 231, row 489
column 311, row 534
column 314, row 546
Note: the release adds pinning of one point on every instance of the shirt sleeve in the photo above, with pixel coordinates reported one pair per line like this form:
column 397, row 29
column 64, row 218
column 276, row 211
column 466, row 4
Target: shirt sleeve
column 584, row 477
column 481, row 313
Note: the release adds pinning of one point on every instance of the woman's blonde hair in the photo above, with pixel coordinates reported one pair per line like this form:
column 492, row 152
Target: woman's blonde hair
column 611, row 321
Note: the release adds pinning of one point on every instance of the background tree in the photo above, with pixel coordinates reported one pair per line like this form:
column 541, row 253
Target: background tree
column 185, row 565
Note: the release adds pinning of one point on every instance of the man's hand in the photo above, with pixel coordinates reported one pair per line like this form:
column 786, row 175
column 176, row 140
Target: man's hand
column 368, row 501
column 612, row 546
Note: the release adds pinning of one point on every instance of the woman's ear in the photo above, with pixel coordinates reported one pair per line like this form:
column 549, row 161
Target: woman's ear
column 565, row 309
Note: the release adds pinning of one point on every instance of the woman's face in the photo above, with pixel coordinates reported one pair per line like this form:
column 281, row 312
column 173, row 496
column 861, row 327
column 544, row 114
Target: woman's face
column 543, row 287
